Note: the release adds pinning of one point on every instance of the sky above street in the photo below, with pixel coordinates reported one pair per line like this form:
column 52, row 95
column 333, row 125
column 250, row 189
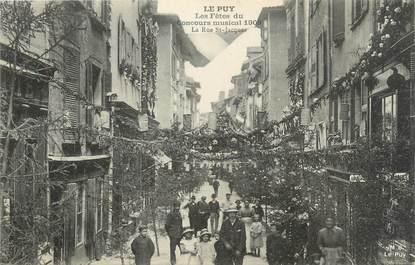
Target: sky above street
column 216, row 76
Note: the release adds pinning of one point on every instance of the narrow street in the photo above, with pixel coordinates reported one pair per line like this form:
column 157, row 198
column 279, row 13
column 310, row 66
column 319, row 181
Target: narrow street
column 163, row 259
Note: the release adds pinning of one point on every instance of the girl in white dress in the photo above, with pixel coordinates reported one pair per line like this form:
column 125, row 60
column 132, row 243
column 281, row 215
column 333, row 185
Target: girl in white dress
column 206, row 249
column 188, row 248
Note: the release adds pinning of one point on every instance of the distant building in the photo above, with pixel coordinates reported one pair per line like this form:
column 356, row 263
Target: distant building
column 192, row 99
column 174, row 49
column 273, row 26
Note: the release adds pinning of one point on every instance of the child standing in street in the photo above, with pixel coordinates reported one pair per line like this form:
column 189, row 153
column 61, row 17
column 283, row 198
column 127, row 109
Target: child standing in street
column 257, row 230
column 142, row 247
column 205, row 249
column 188, row 248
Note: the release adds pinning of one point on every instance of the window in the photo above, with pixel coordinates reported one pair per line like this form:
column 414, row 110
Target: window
column 344, row 116
column 313, row 69
column 99, row 204
column 321, row 60
column 359, row 9
column 80, row 214
column 338, row 21
column 389, row 117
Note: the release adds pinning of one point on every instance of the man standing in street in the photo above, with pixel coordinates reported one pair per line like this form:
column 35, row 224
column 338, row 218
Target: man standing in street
column 204, row 212
column 142, row 247
column 226, row 205
column 232, row 234
column 214, row 214
column 216, row 185
column 331, row 241
column 193, row 214
column 174, row 228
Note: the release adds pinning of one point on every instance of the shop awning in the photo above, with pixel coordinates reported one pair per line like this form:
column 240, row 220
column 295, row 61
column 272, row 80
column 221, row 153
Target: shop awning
column 77, row 158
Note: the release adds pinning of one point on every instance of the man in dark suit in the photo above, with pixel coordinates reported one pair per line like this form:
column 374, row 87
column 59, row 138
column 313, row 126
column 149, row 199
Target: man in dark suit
column 193, row 214
column 174, row 229
column 233, row 235
column 204, row 213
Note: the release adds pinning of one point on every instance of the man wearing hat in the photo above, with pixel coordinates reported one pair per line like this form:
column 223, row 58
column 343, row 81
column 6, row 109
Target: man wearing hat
column 174, row 228
column 193, row 214
column 142, row 247
column 204, row 212
column 233, row 235
column 226, row 205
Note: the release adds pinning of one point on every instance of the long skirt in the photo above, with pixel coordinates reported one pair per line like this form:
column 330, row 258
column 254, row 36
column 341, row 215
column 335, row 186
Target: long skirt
column 248, row 222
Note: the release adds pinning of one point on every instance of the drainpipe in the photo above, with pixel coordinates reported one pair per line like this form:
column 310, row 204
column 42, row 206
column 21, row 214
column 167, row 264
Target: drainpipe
column 412, row 121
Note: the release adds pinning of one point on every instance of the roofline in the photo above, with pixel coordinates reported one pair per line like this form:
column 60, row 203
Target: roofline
column 194, row 56
column 266, row 10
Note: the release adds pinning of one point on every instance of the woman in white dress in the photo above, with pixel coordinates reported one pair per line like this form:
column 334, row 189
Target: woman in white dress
column 188, row 248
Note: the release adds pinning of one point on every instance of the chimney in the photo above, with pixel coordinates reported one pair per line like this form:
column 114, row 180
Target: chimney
column 221, row 95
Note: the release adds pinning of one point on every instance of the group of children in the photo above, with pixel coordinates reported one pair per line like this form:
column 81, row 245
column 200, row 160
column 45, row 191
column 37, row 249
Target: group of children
column 203, row 251
column 193, row 251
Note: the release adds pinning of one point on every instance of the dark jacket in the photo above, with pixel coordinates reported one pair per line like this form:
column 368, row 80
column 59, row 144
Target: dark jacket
column 278, row 249
column 223, row 256
column 174, row 226
column 143, row 250
column 204, row 209
column 234, row 235
column 193, row 209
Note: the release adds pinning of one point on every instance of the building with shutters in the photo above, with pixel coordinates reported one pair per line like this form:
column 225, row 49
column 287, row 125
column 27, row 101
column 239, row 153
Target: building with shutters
column 132, row 46
column 77, row 146
column 343, row 106
column 174, row 50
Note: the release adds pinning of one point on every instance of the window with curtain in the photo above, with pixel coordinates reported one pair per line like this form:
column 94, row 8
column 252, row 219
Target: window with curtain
column 80, row 214
column 389, row 117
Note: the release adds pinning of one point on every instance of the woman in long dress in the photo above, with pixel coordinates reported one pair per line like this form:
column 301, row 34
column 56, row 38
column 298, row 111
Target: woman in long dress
column 247, row 213
column 257, row 230
column 188, row 249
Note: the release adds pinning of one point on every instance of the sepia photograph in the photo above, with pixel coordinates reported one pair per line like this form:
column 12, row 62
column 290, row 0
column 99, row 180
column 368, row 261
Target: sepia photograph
column 207, row 132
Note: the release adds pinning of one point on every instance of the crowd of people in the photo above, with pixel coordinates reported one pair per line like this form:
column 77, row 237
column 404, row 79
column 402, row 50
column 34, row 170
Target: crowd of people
column 241, row 233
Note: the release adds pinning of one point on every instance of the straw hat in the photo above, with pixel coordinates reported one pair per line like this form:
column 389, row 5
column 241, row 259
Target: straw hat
column 187, row 230
column 232, row 210
column 205, row 232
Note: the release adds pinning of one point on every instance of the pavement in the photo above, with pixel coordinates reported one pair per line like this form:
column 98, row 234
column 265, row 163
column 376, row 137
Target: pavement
column 163, row 258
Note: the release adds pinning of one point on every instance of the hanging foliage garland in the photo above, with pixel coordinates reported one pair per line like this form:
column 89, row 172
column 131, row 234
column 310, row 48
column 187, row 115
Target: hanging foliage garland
column 149, row 61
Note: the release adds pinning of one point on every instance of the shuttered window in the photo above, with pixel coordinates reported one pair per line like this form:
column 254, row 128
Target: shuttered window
column 321, row 60
column 71, row 59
